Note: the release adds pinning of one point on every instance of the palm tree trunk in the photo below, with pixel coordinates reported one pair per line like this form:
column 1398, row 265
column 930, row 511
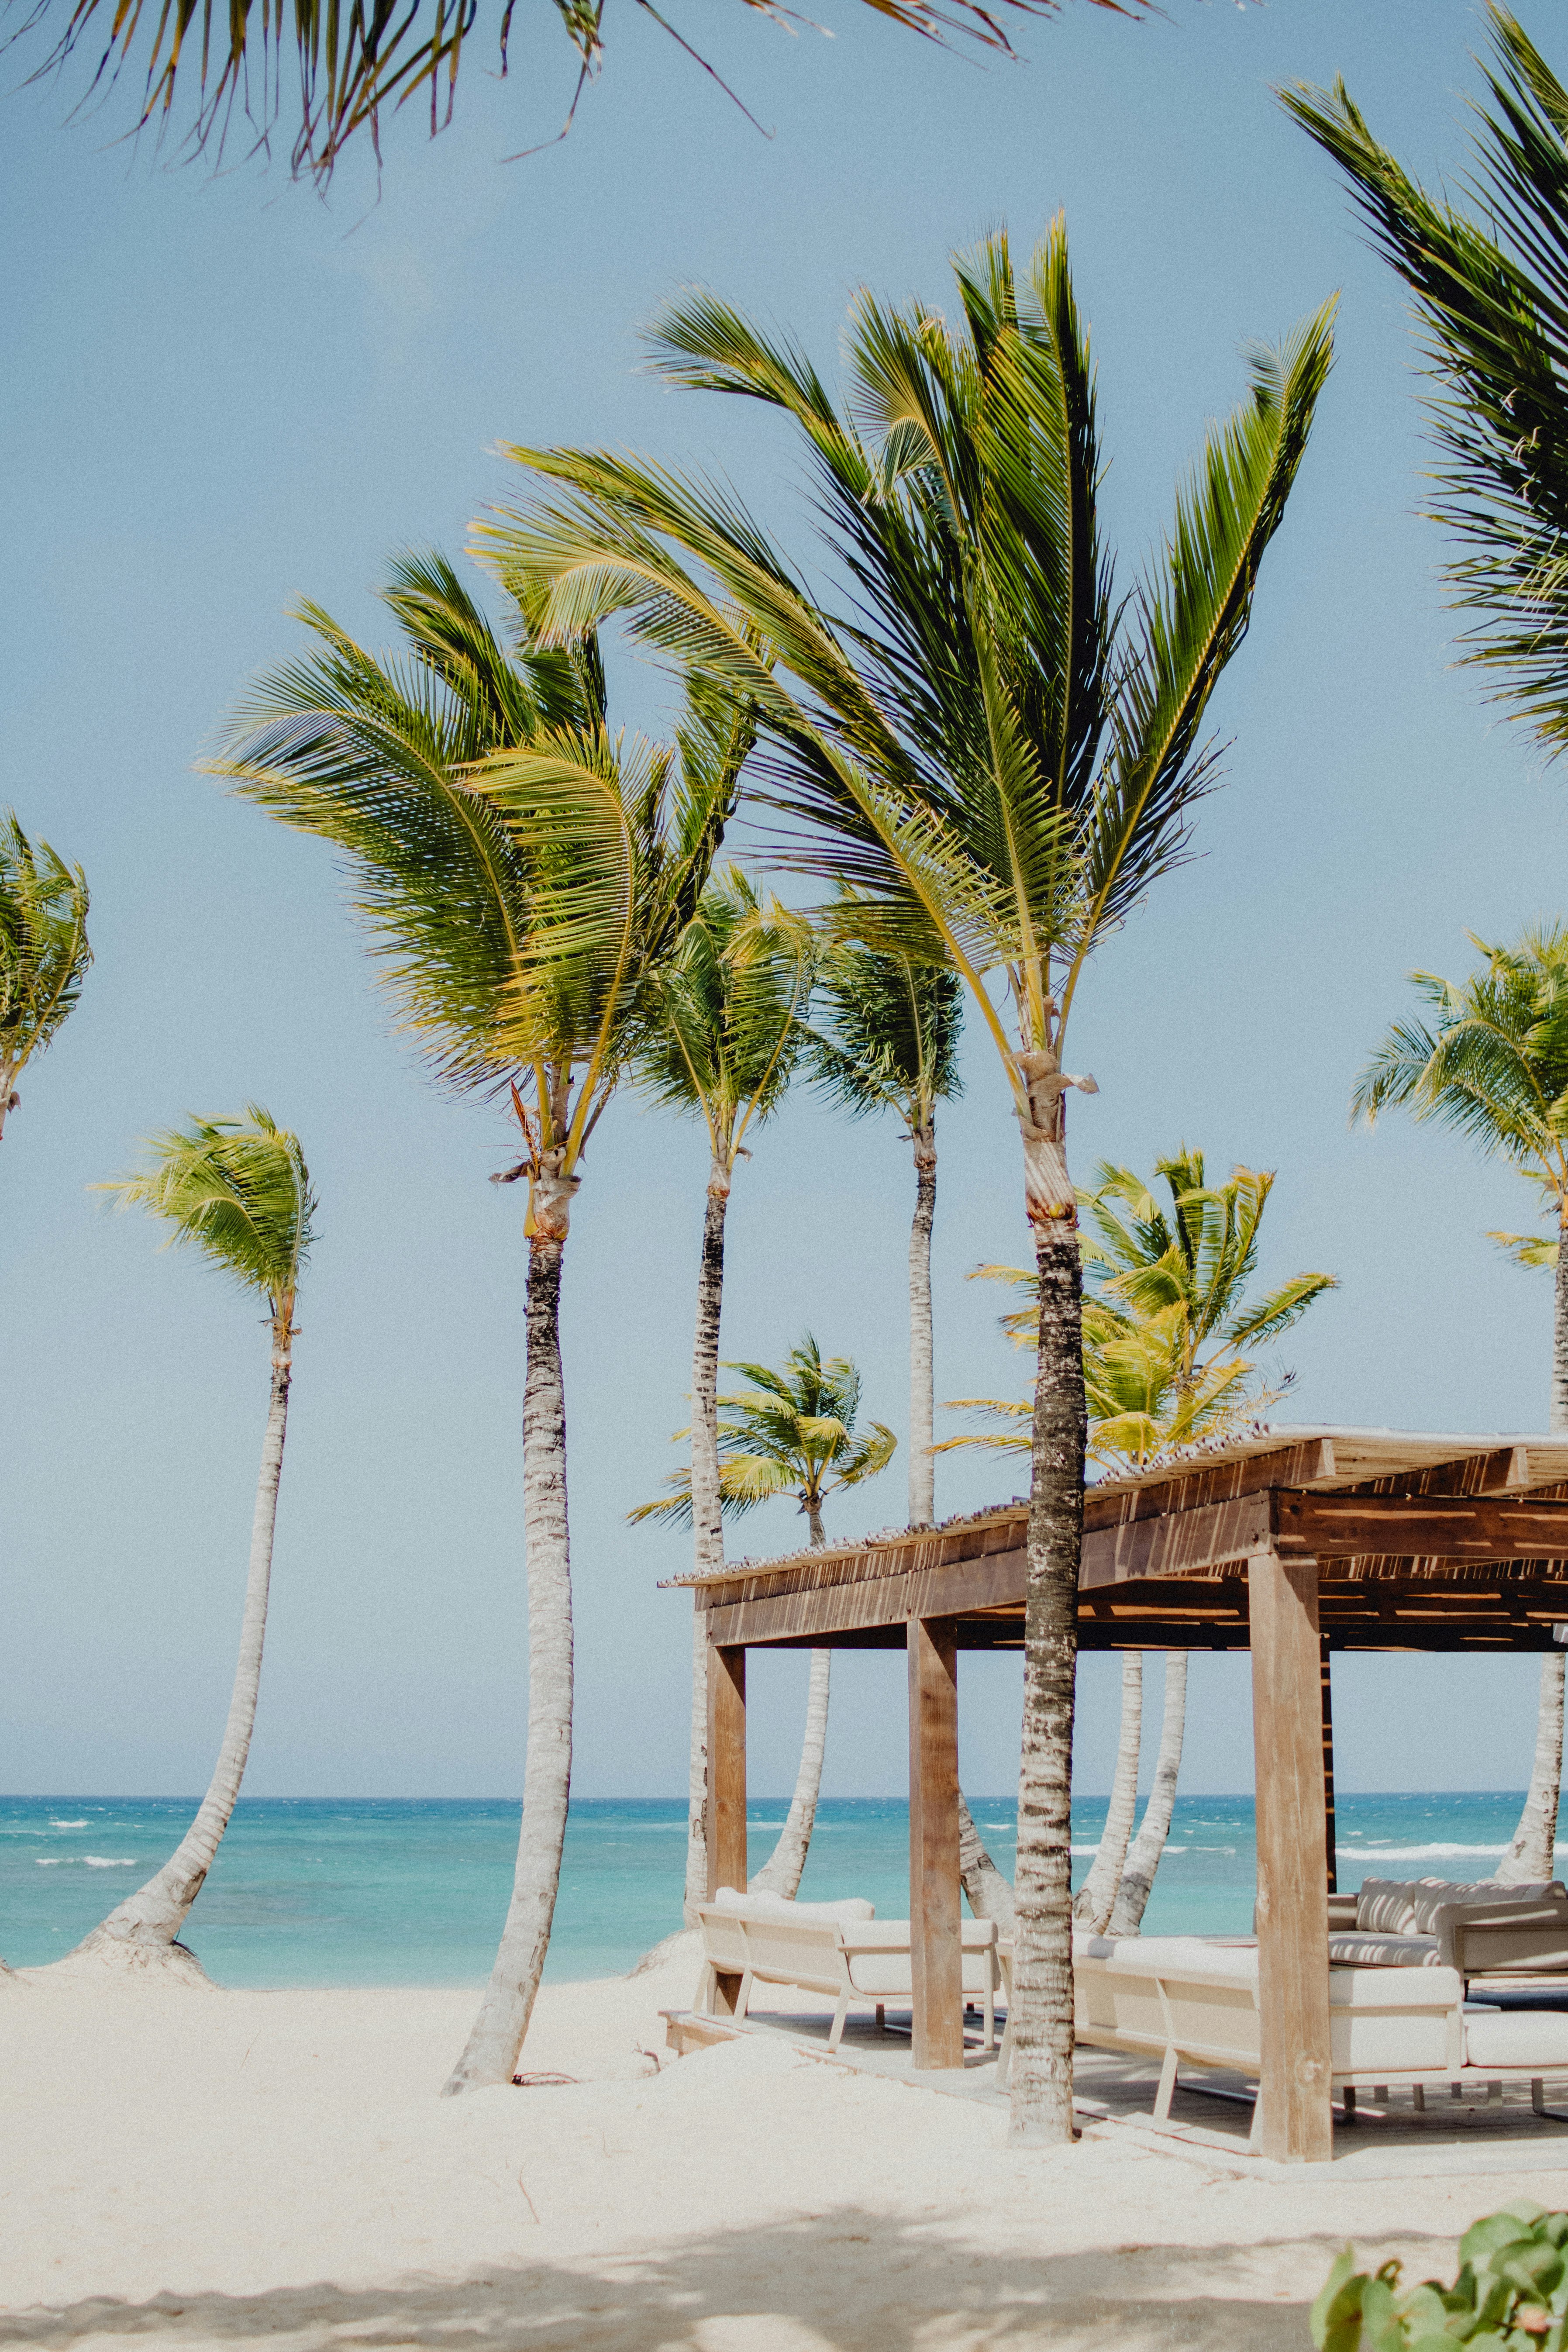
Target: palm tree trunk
column 155, row 1913
column 1042, row 1950
column 707, row 1520
column 1138, row 1878
column 989, row 1891
column 1096, row 1898
column 923, row 1421
column 1532, row 1854
column 781, row 1873
column 497, row 2031
column 9, row 1095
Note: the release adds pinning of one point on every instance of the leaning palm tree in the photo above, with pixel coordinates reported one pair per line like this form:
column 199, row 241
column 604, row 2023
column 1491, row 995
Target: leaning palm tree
column 1491, row 1060
column 43, row 952
column 526, row 876
column 793, row 1433
column 1168, row 1283
column 1001, row 752
column 884, row 1036
column 723, row 1035
column 1489, row 280
column 239, row 1191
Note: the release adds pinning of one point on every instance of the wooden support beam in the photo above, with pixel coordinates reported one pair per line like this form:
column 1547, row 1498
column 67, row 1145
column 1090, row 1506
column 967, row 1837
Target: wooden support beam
column 1330, row 1836
column 935, row 1899
column 1461, row 1527
column 1297, row 2123
column 726, row 1788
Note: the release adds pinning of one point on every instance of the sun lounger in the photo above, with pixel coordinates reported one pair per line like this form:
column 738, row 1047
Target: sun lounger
column 1195, row 2003
column 814, row 1948
column 1491, row 1933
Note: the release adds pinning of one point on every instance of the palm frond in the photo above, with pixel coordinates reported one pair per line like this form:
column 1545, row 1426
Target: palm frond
column 237, row 1190
column 44, row 951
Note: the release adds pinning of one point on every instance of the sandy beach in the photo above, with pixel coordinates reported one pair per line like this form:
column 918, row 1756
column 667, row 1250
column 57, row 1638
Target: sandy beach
column 189, row 2167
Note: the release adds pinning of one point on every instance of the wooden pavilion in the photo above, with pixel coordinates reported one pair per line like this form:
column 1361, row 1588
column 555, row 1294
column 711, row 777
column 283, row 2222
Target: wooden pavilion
column 1291, row 1543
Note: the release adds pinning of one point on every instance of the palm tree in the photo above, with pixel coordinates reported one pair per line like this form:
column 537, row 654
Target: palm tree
column 996, row 749
column 44, row 954
column 353, row 67
column 793, row 1433
column 1167, row 1284
column 884, row 1036
column 239, row 1191
column 723, row 1038
column 1491, row 288
column 526, row 876
column 1491, row 1060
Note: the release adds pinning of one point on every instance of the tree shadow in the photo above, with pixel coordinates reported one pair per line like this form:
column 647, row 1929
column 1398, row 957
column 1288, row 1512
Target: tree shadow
column 841, row 2281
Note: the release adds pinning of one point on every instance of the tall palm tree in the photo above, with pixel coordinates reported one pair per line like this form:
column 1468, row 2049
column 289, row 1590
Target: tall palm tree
column 994, row 747
column 239, row 1191
column 1166, row 1283
column 352, row 67
column 1489, row 280
column 793, row 1433
column 1491, row 1060
column 724, row 1037
column 44, row 952
column 884, row 1036
column 525, row 876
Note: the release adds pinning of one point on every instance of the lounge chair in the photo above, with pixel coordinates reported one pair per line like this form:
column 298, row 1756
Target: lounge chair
column 1195, row 2003
column 816, row 1948
column 1492, row 1934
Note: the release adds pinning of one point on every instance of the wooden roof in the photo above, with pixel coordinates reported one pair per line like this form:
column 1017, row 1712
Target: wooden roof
column 1424, row 1540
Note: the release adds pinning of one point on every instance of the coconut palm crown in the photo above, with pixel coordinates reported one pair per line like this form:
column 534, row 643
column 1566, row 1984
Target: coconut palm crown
column 792, row 1432
column 44, row 951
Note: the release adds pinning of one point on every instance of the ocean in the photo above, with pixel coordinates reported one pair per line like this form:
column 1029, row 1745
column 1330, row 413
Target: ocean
column 330, row 1891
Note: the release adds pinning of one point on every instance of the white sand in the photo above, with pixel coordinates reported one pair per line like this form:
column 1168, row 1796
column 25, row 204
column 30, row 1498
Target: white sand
column 193, row 2168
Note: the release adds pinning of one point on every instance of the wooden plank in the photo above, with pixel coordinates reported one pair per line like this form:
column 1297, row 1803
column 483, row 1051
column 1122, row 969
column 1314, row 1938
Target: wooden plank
column 935, row 1897
column 1178, row 1543
column 1296, row 2065
column 1286, row 1466
column 726, row 1788
column 1471, row 1528
column 1330, row 1839
column 983, row 1583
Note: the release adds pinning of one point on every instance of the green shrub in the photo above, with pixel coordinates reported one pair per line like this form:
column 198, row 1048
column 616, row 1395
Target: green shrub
column 1510, row 2295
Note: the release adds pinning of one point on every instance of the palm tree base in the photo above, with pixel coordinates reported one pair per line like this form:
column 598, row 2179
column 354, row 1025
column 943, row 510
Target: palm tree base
column 102, row 1955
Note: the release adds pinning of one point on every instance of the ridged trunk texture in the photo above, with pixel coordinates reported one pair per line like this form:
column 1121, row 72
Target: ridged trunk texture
column 1042, row 1889
column 781, row 1873
column 1138, row 1878
column 1532, row 1852
column 157, row 1911
column 990, row 1893
column 923, row 1410
column 707, row 1520
column 9, row 1095
column 1096, row 1898
column 498, row 2032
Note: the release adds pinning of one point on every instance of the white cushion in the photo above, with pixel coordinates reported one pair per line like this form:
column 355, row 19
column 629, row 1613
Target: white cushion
column 1424, row 1987
column 1352, row 1948
column 1170, row 1955
column 1516, row 2037
column 777, row 1907
column 889, row 1975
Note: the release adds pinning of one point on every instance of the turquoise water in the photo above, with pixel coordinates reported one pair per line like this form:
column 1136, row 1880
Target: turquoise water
column 323, row 1891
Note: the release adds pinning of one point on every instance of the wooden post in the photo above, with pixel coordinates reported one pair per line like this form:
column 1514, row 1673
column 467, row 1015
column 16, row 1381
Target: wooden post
column 1330, row 1839
column 936, row 1914
column 726, row 1788
column 1294, row 2087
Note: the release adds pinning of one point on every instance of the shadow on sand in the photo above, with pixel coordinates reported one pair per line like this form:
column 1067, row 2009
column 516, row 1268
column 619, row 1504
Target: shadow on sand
column 845, row 2281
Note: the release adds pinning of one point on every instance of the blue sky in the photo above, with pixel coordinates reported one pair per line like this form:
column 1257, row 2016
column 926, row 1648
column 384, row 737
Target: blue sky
column 220, row 393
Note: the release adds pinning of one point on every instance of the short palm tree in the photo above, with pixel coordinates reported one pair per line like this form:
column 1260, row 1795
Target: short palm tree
column 1167, row 1282
column 723, row 1038
column 993, row 746
column 1489, row 280
column 44, row 952
column 526, row 876
column 239, row 1191
column 793, row 1433
column 1491, row 1060
column 884, row 1036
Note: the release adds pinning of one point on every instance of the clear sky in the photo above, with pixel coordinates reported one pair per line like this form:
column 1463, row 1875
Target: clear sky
column 220, row 393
